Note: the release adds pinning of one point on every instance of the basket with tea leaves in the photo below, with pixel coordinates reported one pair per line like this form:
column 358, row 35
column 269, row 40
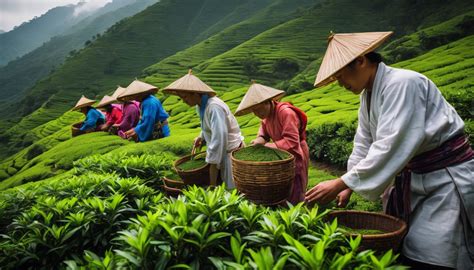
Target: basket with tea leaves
column 263, row 174
column 172, row 179
column 378, row 231
column 193, row 169
column 172, row 184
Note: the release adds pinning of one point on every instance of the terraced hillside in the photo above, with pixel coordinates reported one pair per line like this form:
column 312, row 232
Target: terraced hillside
column 21, row 74
column 332, row 113
column 274, row 57
column 120, row 55
column 300, row 40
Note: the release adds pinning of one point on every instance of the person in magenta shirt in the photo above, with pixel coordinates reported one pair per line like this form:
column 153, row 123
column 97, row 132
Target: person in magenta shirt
column 130, row 117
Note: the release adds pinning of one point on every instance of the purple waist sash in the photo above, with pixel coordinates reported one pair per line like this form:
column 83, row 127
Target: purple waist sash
column 452, row 152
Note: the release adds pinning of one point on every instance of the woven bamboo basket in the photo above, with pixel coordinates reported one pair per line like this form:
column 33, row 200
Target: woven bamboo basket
column 198, row 177
column 171, row 191
column 264, row 182
column 173, row 183
column 394, row 228
column 75, row 129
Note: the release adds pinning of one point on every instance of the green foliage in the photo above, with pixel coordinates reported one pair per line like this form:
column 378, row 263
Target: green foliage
column 420, row 42
column 53, row 222
column 332, row 142
column 104, row 221
column 250, row 65
column 60, row 158
column 147, row 167
column 260, row 153
column 285, row 68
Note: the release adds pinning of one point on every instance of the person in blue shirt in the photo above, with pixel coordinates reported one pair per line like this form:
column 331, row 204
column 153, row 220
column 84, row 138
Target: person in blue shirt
column 154, row 119
column 94, row 118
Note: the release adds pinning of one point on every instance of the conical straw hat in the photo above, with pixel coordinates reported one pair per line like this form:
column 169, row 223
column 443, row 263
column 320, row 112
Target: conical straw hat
column 83, row 102
column 189, row 84
column 137, row 88
column 106, row 100
column 343, row 49
column 120, row 90
column 257, row 94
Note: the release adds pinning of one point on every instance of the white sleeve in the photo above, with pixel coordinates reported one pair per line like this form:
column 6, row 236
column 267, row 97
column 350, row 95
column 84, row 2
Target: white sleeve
column 362, row 139
column 400, row 132
column 217, row 147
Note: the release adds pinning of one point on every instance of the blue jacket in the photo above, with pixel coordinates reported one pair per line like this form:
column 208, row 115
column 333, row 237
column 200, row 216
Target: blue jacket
column 93, row 116
column 152, row 112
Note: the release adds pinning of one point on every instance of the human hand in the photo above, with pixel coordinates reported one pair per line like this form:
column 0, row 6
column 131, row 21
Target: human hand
column 258, row 140
column 130, row 133
column 343, row 197
column 325, row 192
column 197, row 142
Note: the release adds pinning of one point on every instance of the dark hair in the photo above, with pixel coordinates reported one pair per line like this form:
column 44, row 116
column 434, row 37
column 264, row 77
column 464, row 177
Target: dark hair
column 373, row 57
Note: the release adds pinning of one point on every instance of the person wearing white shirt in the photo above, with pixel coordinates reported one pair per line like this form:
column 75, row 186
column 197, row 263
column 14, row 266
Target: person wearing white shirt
column 406, row 128
column 219, row 128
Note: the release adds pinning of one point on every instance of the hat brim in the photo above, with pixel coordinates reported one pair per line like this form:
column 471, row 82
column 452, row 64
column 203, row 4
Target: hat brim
column 177, row 92
column 331, row 78
column 133, row 96
column 106, row 103
column 83, row 105
column 250, row 109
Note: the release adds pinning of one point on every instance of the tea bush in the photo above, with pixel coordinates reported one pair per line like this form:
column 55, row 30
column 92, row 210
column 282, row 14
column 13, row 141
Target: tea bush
column 147, row 167
column 107, row 222
column 59, row 220
column 217, row 229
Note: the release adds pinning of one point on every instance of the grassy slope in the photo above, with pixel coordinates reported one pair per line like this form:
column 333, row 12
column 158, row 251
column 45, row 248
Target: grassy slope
column 224, row 70
column 446, row 66
column 165, row 71
column 21, row 74
column 119, row 56
column 330, row 104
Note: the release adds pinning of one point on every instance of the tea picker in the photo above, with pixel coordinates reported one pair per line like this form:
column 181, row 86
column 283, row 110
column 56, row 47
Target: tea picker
column 406, row 127
column 283, row 124
column 219, row 128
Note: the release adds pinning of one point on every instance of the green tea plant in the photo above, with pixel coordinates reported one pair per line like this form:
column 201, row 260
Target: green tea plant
column 103, row 221
column 145, row 166
column 60, row 220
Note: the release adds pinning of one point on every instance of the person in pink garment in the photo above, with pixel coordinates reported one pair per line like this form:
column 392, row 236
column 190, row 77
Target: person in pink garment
column 130, row 117
column 283, row 124
column 113, row 115
column 113, row 112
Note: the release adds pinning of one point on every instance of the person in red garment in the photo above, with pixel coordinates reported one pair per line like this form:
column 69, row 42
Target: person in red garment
column 285, row 125
column 113, row 112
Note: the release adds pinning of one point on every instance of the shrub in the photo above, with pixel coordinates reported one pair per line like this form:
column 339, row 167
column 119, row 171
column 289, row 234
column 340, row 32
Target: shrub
column 250, row 65
column 34, row 151
column 332, row 142
column 285, row 68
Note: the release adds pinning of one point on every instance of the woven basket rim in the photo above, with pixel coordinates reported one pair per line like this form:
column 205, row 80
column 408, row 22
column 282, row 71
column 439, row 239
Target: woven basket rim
column 186, row 158
column 275, row 162
column 396, row 233
column 171, row 188
column 172, row 181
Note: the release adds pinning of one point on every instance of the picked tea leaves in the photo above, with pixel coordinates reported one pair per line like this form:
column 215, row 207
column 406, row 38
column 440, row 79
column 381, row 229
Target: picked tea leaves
column 192, row 164
column 260, row 153
column 348, row 230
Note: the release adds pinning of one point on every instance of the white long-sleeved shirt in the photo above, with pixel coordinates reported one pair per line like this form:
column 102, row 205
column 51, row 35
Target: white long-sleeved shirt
column 222, row 134
column 408, row 116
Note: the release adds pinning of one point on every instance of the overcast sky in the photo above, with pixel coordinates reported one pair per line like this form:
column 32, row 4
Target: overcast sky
column 14, row 12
